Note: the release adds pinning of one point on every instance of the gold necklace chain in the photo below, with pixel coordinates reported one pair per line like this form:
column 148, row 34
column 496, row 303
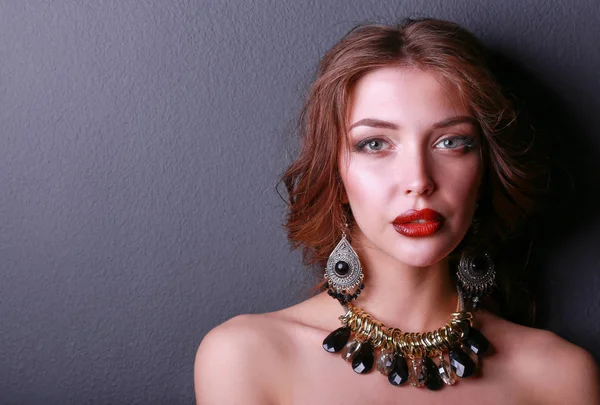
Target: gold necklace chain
column 411, row 344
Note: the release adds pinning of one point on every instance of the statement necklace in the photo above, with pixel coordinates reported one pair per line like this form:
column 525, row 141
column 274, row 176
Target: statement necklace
column 428, row 359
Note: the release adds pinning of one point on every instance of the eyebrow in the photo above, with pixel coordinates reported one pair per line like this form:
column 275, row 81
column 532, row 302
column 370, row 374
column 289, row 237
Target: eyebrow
column 448, row 122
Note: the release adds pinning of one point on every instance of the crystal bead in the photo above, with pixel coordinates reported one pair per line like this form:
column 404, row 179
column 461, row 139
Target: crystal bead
column 362, row 362
column 473, row 357
column 434, row 381
column 335, row 341
column 461, row 363
column 471, row 354
column 399, row 374
column 350, row 350
column 418, row 373
column 476, row 342
column 446, row 372
column 385, row 362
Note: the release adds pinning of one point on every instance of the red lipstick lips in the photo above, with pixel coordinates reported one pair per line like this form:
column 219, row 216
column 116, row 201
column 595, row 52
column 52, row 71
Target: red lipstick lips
column 430, row 222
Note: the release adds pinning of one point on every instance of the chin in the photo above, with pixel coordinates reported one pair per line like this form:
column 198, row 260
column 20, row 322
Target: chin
column 416, row 252
column 424, row 252
column 421, row 256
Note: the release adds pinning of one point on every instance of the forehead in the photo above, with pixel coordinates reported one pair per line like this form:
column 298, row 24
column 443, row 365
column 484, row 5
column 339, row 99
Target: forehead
column 405, row 96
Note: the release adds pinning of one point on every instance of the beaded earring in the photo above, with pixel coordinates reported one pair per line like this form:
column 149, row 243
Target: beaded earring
column 343, row 272
column 476, row 271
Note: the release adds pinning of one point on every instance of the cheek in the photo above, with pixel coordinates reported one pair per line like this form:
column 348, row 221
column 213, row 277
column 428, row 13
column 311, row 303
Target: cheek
column 364, row 186
column 460, row 190
column 460, row 174
column 464, row 184
column 470, row 180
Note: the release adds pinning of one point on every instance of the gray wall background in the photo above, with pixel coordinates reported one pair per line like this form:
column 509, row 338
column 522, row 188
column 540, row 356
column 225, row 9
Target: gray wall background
column 140, row 143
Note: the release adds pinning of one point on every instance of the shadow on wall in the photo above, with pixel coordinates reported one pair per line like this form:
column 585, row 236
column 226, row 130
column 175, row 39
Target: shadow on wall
column 573, row 163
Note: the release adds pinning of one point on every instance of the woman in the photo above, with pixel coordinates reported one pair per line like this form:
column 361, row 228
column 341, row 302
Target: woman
column 411, row 177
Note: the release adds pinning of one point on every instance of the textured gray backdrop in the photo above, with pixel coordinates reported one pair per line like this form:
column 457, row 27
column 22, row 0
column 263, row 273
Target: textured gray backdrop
column 140, row 143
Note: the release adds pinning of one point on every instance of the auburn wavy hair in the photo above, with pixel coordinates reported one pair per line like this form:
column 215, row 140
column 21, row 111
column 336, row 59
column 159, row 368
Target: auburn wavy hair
column 514, row 175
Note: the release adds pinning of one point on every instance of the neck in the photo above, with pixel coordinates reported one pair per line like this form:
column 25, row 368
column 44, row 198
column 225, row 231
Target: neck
column 414, row 299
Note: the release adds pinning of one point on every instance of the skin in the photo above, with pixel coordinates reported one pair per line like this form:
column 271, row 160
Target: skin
column 408, row 163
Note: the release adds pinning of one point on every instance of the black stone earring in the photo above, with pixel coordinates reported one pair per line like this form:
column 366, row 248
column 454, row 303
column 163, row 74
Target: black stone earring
column 476, row 275
column 343, row 273
column 476, row 272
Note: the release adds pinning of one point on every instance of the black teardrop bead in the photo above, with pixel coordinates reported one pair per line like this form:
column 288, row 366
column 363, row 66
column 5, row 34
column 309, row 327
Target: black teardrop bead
column 461, row 363
column 341, row 268
column 477, row 342
column 363, row 360
column 336, row 340
column 466, row 327
column 399, row 373
column 434, row 381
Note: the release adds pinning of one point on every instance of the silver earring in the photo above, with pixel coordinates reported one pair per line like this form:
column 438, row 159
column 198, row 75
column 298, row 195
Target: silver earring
column 476, row 275
column 343, row 272
column 476, row 272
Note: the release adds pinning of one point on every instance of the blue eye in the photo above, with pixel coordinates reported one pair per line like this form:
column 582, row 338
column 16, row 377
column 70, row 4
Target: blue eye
column 465, row 143
column 371, row 145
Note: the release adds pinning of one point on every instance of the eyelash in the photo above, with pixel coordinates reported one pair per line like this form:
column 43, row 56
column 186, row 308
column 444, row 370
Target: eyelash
column 468, row 143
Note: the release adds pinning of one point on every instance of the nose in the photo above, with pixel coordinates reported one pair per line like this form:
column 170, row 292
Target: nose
column 416, row 177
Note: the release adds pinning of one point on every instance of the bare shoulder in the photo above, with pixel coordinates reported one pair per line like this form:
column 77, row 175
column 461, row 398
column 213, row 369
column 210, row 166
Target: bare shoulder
column 567, row 373
column 242, row 352
column 253, row 352
column 551, row 369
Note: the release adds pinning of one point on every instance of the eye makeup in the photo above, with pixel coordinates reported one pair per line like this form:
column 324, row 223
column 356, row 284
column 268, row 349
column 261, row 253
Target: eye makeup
column 462, row 143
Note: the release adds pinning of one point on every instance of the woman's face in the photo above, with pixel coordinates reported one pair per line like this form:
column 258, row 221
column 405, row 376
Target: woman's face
column 413, row 145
